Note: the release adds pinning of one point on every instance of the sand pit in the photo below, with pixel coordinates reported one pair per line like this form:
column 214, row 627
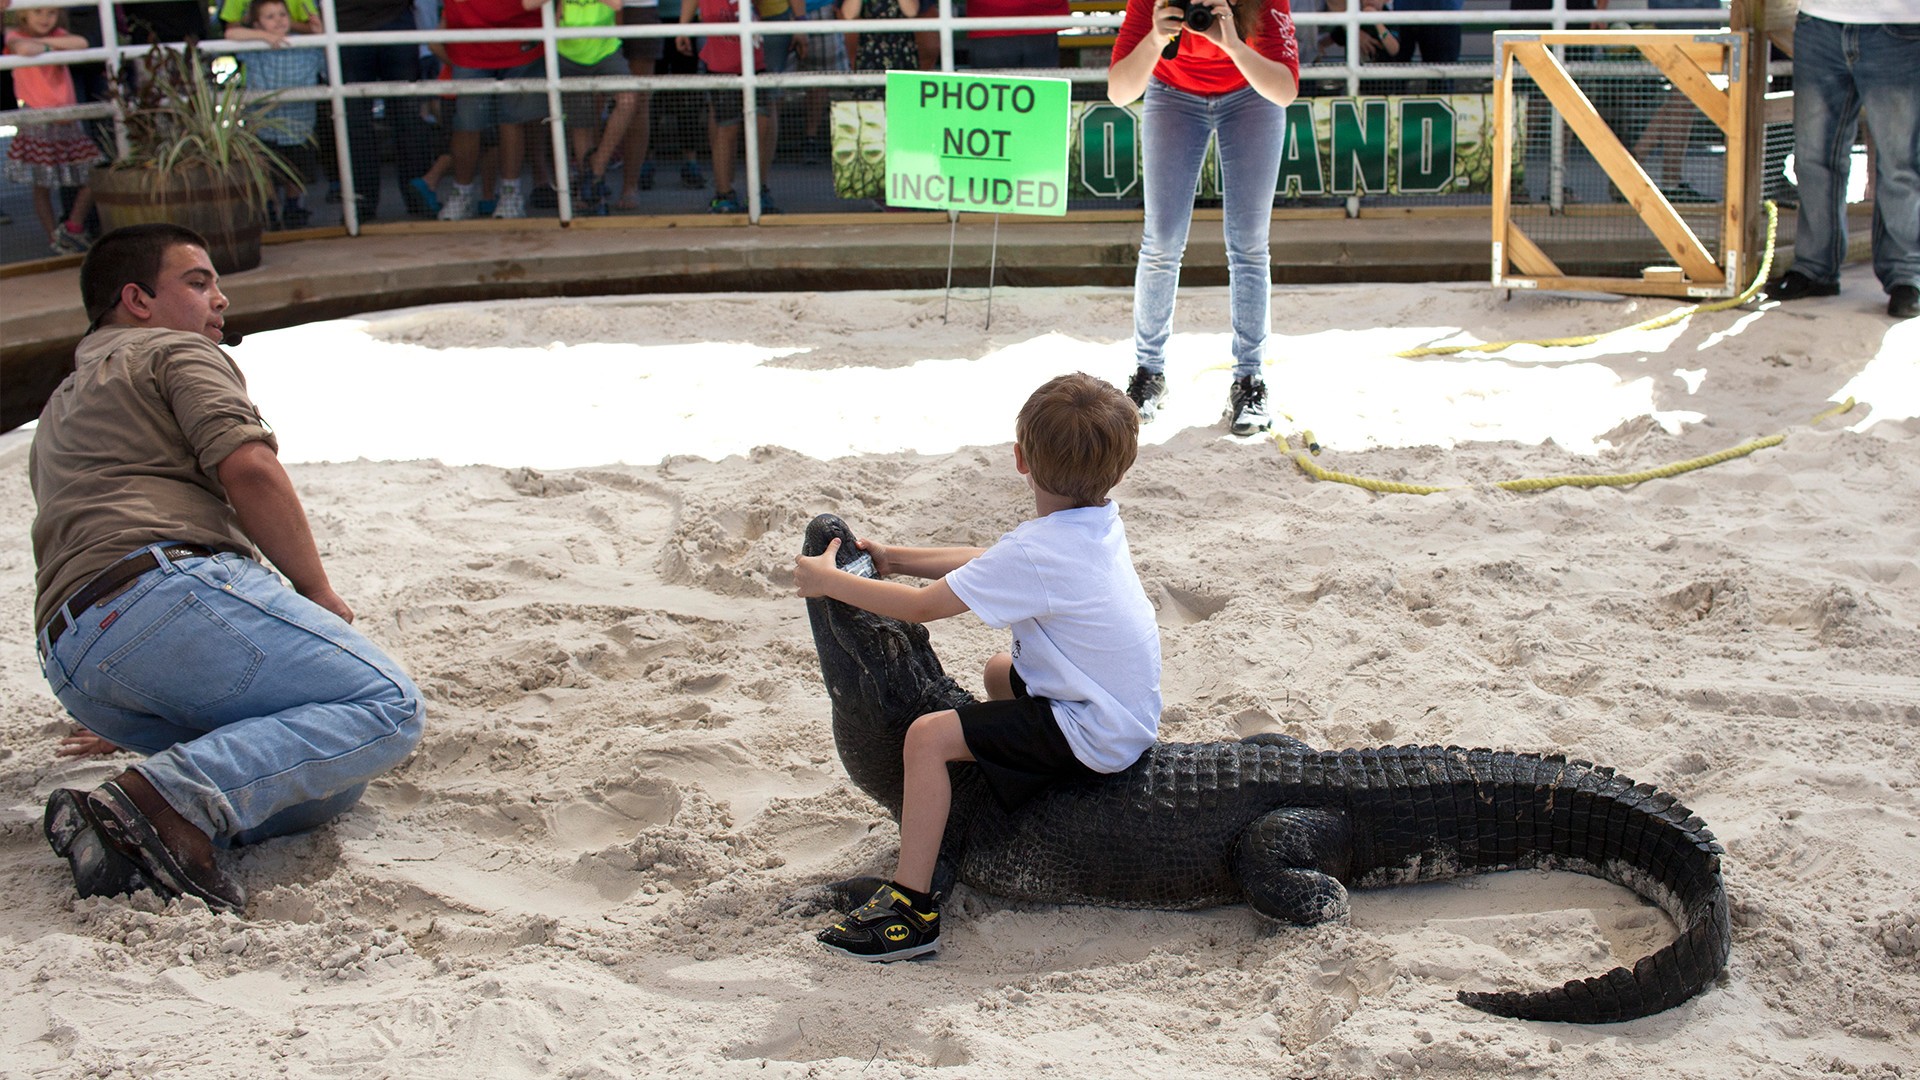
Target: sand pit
column 573, row 521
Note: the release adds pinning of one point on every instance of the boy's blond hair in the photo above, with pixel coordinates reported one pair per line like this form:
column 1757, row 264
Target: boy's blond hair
column 1079, row 435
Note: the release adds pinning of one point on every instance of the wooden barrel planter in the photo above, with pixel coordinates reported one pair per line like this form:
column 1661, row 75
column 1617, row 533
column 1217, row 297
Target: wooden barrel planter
column 214, row 206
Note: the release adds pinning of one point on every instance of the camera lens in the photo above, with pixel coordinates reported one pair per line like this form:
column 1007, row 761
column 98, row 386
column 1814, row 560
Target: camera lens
column 1199, row 18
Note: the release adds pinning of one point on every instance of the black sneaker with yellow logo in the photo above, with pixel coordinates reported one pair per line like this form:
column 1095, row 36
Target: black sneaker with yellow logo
column 886, row 928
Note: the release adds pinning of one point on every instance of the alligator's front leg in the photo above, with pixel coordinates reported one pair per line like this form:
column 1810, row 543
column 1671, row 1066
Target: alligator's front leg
column 1290, row 863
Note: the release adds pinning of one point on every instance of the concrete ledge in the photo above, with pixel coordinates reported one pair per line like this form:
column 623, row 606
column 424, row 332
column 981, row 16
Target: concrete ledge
column 411, row 264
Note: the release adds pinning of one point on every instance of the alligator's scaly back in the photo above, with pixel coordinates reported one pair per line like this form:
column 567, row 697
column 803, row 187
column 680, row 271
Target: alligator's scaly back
column 1287, row 828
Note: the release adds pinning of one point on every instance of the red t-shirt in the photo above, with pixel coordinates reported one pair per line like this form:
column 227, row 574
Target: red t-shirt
column 1200, row 67
column 491, row 15
column 998, row 9
column 721, row 52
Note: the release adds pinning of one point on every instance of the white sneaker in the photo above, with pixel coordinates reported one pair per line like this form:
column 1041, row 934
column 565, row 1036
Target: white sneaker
column 459, row 205
column 1247, row 405
column 511, row 204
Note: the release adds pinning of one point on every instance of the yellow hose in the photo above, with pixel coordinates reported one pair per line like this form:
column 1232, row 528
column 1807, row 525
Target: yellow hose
column 1542, row 483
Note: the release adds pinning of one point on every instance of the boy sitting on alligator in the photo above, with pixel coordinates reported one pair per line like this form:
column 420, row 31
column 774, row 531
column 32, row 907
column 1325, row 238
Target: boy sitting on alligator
column 1078, row 695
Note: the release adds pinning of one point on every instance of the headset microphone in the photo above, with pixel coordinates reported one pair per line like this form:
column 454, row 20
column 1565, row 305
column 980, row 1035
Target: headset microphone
column 230, row 338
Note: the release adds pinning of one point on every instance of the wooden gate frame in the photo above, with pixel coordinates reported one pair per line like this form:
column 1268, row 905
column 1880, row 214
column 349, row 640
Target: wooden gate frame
column 1692, row 60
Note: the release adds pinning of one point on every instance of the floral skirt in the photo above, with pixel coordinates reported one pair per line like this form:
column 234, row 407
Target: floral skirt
column 52, row 155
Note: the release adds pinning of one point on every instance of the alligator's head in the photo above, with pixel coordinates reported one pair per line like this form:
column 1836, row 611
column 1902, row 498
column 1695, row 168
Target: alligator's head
column 881, row 674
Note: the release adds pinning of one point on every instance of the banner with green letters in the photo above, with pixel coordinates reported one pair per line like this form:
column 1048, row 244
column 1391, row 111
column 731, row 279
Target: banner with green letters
column 988, row 143
column 1335, row 146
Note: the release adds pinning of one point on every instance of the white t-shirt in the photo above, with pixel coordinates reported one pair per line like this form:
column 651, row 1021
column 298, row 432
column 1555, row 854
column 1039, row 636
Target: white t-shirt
column 1863, row 11
column 1084, row 635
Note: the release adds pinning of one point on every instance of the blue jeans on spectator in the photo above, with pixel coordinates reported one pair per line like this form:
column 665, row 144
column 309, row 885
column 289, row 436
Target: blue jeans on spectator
column 1839, row 71
column 380, row 63
column 1177, row 125
column 263, row 712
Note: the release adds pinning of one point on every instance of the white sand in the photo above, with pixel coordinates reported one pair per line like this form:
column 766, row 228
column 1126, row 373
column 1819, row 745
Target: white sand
column 582, row 553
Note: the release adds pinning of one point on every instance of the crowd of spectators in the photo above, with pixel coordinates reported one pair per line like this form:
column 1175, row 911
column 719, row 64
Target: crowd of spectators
column 463, row 155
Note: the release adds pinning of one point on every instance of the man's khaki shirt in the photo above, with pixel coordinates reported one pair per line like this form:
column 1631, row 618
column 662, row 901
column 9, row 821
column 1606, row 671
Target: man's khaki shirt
column 126, row 455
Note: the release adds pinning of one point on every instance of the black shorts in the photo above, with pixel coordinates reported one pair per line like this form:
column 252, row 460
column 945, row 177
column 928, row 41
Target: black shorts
column 1018, row 746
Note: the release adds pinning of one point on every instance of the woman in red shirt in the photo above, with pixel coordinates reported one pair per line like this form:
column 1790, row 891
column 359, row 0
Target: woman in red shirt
column 1232, row 80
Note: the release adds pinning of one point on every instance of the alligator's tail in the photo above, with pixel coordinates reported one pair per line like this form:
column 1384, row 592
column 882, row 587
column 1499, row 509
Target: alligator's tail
column 1578, row 816
column 880, row 673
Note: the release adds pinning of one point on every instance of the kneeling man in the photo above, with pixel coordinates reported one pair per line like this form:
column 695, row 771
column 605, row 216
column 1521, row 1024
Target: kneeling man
column 261, row 710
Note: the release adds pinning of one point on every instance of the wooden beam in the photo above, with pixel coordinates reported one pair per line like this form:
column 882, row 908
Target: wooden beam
column 1620, row 166
column 1689, row 79
column 1711, row 55
column 1523, row 253
column 1503, row 135
column 1623, row 286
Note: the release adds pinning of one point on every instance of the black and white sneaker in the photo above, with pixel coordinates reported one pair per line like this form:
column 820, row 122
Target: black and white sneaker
column 886, row 928
column 1247, row 406
column 1147, row 389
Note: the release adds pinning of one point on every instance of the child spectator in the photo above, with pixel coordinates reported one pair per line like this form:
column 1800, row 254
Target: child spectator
column 56, row 155
column 580, row 58
column 824, row 52
column 1078, row 696
column 283, row 68
column 643, row 59
column 475, row 113
column 239, row 25
column 726, row 111
column 883, row 52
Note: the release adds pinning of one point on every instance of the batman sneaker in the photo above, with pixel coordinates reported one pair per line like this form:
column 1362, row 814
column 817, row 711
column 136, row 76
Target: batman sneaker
column 886, row 928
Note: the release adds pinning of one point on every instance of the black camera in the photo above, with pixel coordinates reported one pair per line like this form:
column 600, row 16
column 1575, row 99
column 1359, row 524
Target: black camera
column 1199, row 16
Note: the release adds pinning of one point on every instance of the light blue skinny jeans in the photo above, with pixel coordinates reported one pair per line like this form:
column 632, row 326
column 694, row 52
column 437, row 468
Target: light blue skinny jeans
column 263, row 713
column 1177, row 125
column 1839, row 71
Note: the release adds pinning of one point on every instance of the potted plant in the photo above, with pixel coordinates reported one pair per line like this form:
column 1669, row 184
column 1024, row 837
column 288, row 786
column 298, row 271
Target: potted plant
column 194, row 155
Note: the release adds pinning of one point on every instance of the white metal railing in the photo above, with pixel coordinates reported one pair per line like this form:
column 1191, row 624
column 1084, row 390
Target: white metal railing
column 1353, row 68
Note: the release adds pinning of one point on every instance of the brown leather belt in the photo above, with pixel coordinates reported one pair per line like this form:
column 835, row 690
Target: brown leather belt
column 109, row 581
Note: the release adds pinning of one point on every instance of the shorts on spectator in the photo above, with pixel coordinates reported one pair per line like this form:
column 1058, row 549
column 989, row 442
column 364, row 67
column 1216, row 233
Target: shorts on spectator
column 479, row 112
column 825, row 52
column 641, row 48
column 729, row 107
column 779, row 54
column 300, row 158
column 579, row 105
column 1013, row 51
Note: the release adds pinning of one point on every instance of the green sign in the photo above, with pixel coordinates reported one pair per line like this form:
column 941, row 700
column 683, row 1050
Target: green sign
column 1401, row 145
column 991, row 143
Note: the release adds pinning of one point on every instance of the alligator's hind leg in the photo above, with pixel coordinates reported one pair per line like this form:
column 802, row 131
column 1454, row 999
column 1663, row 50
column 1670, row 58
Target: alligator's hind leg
column 1274, row 738
column 1290, row 862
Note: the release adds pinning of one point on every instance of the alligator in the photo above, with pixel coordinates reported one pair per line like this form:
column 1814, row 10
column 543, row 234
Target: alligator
column 1273, row 823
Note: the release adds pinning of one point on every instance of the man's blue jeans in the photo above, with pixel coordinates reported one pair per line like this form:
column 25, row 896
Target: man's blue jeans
column 263, row 712
column 1177, row 125
column 1839, row 71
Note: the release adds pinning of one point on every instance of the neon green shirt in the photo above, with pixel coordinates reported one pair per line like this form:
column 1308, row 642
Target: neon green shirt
column 587, row 51
column 234, row 12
